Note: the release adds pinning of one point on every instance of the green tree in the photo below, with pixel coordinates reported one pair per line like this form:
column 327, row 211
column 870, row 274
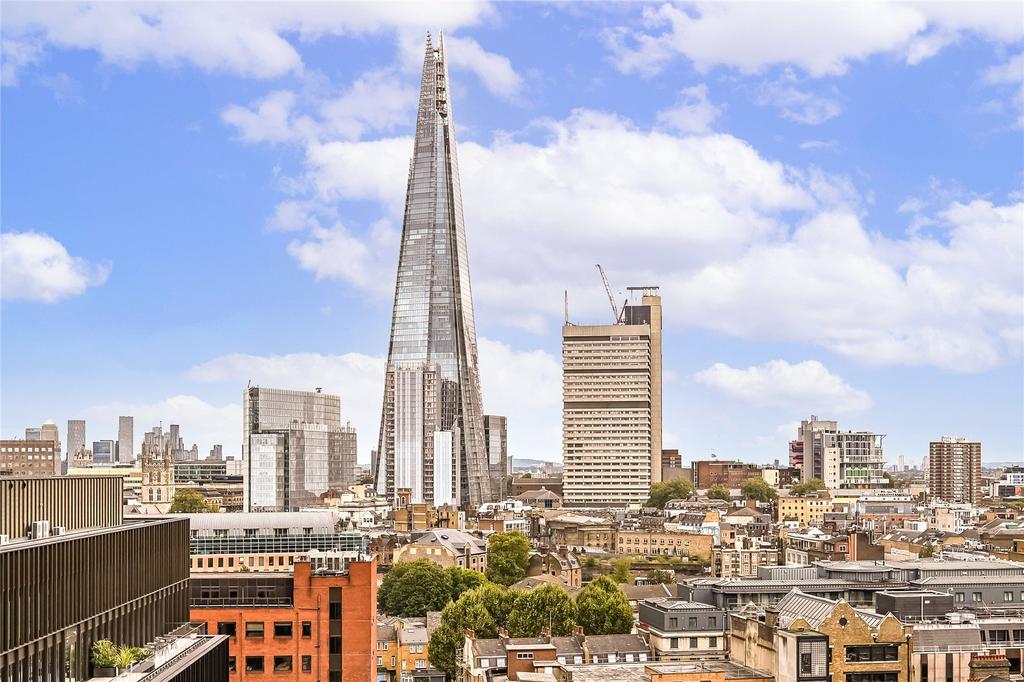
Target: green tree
column 659, row 576
column 719, row 492
column 468, row 613
column 411, row 588
column 499, row 601
column 812, row 485
column 190, row 502
column 676, row 489
column 540, row 607
column 620, row 570
column 756, row 488
column 463, row 580
column 603, row 609
column 508, row 555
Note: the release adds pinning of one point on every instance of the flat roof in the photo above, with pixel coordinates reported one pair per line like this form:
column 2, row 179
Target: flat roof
column 126, row 525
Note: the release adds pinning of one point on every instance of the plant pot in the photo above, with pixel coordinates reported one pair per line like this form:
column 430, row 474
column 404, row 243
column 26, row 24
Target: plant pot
column 104, row 672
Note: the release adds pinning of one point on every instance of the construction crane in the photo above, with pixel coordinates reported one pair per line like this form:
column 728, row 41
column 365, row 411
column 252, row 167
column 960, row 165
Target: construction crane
column 611, row 298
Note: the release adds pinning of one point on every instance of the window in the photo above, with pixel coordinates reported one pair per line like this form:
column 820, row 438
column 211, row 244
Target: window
column 524, row 655
column 334, row 676
column 485, row 663
column 380, row 662
column 282, row 664
column 231, row 664
column 872, row 677
column 713, row 642
column 307, row 631
column 976, row 596
column 334, row 645
column 876, row 652
column 673, row 623
column 1007, row 596
column 226, row 629
column 712, row 621
column 673, row 643
column 693, row 642
column 334, row 612
column 254, row 630
column 253, row 664
column 960, row 596
column 282, row 629
column 307, row 663
column 692, row 622
column 805, row 664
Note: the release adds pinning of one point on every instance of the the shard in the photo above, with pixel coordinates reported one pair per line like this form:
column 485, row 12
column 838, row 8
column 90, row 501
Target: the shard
column 432, row 445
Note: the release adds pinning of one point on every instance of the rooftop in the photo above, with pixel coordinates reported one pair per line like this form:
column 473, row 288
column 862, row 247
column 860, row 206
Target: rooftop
column 673, row 604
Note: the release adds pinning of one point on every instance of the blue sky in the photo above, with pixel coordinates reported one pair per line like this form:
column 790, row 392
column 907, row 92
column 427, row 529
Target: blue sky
column 830, row 197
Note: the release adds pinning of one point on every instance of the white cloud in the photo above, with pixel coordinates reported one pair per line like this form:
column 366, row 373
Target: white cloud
column 494, row 70
column 335, row 253
column 692, row 113
column 819, row 38
column 1008, row 76
column 524, row 386
column 819, row 145
column 268, row 121
column 802, row 106
column 246, row 39
column 803, row 387
column 37, row 267
column 201, row 422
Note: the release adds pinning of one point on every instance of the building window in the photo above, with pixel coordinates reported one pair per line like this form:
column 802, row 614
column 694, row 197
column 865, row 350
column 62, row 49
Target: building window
column 253, row 664
column 282, row 664
column 872, row 677
column 960, row 596
column 334, row 645
column 1007, row 596
column 713, row 642
column 712, row 621
column 692, row 622
column 231, row 664
column 307, row 631
column 673, row 643
column 334, row 612
column 877, row 652
column 380, row 661
column 226, row 629
column 254, row 630
column 282, row 629
column 673, row 623
column 524, row 655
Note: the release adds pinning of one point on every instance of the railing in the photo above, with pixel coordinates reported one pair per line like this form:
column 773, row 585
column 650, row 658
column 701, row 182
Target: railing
column 240, row 601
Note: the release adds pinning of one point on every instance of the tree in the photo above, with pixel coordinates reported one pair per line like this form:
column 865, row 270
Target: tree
column 756, row 488
column 463, row 580
column 468, row 613
column 411, row 588
column 659, row 576
column 812, row 485
column 603, row 609
column 190, row 502
column 620, row 570
column 719, row 492
column 499, row 602
column 540, row 607
column 676, row 489
column 508, row 555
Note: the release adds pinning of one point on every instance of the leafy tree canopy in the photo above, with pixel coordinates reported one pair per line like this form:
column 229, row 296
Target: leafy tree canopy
column 539, row 607
column 464, row 580
column 810, row 486
column 603, row 609
column 508, row 555
column 468, row 613
column 756, row 488
column 719, row 492
column 190, row 502
column 659, row 576
column 620, row 570
column 676, row 489
column 411, row 588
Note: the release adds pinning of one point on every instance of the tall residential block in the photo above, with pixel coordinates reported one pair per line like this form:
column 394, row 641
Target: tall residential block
column 841, row 459
column 432, row 380
column 76, row 439
column 125, row 439
column 611, row 417
column 294, row 448
column 954, row 469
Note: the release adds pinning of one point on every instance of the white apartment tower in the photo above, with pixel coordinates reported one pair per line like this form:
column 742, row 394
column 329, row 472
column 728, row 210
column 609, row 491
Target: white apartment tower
column 611, row 417
column 841, row 459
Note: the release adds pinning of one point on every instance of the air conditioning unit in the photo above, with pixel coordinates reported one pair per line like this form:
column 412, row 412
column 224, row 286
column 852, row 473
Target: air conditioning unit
column 40, row 529
column 5, row 539
column 58, row 530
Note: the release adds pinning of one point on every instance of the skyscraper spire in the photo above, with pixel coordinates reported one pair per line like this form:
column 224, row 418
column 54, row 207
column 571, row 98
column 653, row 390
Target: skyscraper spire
column 432, row 434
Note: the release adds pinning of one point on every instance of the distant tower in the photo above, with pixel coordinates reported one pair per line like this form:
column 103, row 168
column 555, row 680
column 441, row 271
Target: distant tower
column 157, row 471
column 125, row 439
column 432, row 394
column 76, row 439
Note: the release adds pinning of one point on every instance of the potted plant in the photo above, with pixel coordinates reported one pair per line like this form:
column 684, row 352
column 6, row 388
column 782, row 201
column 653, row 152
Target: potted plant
column 104, row 658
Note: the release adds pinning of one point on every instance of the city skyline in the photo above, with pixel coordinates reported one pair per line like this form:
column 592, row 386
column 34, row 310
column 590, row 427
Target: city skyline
column 907, row 322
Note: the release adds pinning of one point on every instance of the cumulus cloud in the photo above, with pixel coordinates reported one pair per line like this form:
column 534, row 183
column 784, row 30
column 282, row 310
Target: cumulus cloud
column 802, row 106
column 202, row 423
column 692, row 113
column 1008, row 77
column 37, row 267
column 494, row 70
column 803, row 387
column 246, row 39
column 821, row 39
column 525, row 386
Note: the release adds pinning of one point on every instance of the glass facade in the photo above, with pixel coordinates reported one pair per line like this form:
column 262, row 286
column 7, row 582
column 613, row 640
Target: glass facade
column 432, row 381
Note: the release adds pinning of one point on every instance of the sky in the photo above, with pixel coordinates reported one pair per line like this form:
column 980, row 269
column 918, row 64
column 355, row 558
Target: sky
column 195, row 196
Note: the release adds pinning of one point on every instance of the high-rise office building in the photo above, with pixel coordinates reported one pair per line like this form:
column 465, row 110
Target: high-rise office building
column 294, row 448
column 76, row 439
column 611, row 417
column 217, row 452
column 496, row 439
column 103, row 451
column 954, row 469
column 432, row 381
column 840, row 459
column 125, row 439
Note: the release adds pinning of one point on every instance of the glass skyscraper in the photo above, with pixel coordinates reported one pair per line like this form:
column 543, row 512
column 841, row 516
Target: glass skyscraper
column 432, row 384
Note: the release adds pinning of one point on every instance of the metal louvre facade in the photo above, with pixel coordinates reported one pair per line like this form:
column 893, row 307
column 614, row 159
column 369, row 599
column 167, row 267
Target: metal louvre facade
column 432, row 382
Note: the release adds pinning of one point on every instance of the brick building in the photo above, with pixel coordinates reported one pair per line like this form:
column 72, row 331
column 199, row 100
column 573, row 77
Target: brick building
column 731, row 474
column 29, row 458
column 315, row 626
column 659, row 541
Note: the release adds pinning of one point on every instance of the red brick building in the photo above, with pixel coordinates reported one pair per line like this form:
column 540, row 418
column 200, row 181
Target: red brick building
column 731, row 474
column 302, row 626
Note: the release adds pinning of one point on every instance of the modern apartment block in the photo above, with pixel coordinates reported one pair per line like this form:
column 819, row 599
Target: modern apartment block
column 76, row 439
column 125, row 439
column 304, row 625
column 29, row 458
column 74, row 572
column 954, row 469
column 496, row 440
column 611, row 417
column 432, row 439
column 294, row 448
column 841, row 459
